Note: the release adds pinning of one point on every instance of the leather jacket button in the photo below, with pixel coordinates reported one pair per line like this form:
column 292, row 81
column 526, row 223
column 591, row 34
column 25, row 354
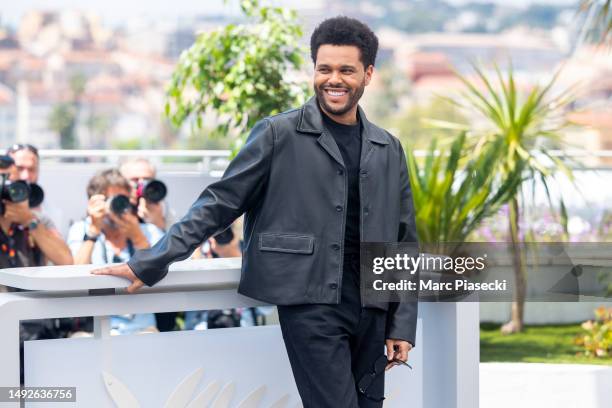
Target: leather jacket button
column 333, row 285
column 366, row 211
column 338, row 208
column 335, row 247
column 340, row 172
column 364, row 173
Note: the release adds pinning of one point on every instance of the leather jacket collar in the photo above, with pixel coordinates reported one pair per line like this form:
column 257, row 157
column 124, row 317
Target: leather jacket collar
column 311, row 122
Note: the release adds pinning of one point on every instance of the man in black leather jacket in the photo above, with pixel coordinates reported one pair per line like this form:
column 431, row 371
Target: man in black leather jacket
column 313, row 183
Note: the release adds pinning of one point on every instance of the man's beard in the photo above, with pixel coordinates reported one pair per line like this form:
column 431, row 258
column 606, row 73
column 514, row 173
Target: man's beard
column 353, row 98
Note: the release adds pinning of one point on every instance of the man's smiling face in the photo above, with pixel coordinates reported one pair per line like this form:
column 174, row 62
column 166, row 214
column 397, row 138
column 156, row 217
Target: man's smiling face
column 340, row 79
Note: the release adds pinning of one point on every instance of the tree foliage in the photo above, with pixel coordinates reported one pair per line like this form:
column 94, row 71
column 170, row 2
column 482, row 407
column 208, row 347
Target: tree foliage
column 417, row 125
column 527, row 128
column 529, row 125
column 454, row 190
column 63, row 117
column 236, row 75
column 599, row 19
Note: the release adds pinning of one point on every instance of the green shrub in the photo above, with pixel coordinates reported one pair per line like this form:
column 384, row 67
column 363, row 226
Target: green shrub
column 596, row 341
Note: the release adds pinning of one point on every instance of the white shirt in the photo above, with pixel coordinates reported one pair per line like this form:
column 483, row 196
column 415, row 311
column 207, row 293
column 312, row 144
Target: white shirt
column 102, row 252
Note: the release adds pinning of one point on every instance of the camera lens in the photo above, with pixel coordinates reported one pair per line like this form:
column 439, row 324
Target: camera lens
column 154, row 191
column 37, row 195
column 17, row 191
column 120, row 204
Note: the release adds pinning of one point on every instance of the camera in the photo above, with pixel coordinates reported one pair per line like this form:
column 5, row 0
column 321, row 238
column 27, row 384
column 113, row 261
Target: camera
column 219, row 319
column 152, row 190
column 6, row 162
column 18, row 191
column 120, row 204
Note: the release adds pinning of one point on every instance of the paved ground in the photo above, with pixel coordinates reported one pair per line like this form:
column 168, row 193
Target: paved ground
column 534, row 385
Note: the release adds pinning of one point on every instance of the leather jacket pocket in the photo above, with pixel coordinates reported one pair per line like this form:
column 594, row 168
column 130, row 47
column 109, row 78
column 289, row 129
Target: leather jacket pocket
column 289, row 243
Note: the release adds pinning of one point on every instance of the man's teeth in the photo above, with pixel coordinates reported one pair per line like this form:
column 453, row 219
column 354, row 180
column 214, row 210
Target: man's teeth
column 336, row 93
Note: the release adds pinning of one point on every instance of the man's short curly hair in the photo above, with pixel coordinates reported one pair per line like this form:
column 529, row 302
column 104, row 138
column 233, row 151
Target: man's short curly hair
column 343, row 30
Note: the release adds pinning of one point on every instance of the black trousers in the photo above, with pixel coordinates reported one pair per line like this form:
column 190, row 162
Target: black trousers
column 331, row 347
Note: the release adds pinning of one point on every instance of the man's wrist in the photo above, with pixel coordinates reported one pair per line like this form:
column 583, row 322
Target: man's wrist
column 92, row 232
column 92, row 238
column 34, row 223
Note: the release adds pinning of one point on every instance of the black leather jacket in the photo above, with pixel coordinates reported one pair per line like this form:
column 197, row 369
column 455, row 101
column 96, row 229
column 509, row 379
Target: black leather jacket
column 289, row 181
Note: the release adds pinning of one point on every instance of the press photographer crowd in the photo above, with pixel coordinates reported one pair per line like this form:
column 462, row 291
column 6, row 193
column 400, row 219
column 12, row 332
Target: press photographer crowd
column 126, row 211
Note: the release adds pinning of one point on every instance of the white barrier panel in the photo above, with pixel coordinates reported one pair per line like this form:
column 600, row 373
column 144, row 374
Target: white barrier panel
column 238, row 362
column 177, row 368
column 536, row 385
column 153, row 368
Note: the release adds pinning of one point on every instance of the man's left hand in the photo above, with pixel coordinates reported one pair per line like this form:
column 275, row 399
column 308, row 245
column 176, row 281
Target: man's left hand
column 397, row 349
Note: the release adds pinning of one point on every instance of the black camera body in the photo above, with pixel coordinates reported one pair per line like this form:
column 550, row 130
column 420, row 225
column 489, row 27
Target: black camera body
column 220, row 319
column 18, row 191
column 120, row 204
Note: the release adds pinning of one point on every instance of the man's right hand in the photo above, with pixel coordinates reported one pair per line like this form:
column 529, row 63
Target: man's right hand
column 122, row 271
column 19, row 213
column 96, row 209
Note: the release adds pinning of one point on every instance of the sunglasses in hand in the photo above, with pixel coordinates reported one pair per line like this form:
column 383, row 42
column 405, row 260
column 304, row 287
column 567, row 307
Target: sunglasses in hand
column 401, row 362
column 379, row 368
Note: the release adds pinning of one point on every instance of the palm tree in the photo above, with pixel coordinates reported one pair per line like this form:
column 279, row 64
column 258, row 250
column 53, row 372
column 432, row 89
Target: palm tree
column 598, row 18
column 454, row 191
column 524, row 129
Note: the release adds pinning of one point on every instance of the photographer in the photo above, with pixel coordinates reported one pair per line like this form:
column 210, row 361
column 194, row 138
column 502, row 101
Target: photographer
column 151, row 207
column 148, row 196
column 25, row 242
column 111, row 233
column 43, row 239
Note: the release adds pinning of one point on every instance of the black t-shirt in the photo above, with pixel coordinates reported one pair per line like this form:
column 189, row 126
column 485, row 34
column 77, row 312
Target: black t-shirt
column 348, row 139
column 16, row 249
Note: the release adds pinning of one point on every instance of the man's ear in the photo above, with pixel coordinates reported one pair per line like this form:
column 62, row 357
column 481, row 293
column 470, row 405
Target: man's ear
column 368, row 74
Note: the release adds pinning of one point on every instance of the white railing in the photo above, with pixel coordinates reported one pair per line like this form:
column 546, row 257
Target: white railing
column 211, row 154
column 147, row 367
column 209, row 160
column 127, row 153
